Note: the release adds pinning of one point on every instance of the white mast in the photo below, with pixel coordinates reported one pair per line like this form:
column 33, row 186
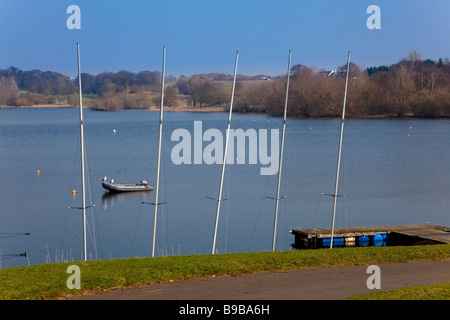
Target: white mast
column 159, row 150
column 83, row 205
column 219, row 199
column 281, row 154
column 339, row 154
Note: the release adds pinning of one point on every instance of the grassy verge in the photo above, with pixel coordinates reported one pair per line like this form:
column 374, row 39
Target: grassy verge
column 49, row 281
column 440, row 291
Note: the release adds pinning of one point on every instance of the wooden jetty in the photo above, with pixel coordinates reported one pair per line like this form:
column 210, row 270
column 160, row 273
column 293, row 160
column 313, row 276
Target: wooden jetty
column 375, row 235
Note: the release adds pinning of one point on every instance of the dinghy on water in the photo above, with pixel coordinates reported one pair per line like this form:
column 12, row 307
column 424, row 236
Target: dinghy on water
column 123, row 187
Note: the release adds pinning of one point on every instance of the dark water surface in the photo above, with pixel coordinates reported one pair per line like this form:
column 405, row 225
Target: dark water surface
column 393, row 172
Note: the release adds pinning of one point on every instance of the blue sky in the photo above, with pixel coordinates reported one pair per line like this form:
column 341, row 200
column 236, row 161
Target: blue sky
column 204, row 35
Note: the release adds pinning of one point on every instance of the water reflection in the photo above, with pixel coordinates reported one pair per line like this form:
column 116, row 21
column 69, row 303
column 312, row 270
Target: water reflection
column 377, row 240
column 110, row 199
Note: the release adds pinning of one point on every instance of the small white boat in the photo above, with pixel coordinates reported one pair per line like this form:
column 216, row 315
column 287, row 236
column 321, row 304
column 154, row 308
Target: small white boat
column 123, row 187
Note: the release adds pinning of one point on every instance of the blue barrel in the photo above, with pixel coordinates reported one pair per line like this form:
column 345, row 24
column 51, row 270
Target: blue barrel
column 378, row 237
column 339, row 241
column 363, row 239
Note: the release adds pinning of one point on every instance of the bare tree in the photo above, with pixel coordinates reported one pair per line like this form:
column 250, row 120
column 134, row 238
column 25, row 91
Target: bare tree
column 401, row 87
column 8, row 91
column 414, row 56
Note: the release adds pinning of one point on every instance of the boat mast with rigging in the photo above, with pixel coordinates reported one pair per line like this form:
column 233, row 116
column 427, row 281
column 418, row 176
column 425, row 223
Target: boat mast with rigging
column 277, row 198
column 159, row 151
column 83, row 191
column 219, row 198
column 335, row 196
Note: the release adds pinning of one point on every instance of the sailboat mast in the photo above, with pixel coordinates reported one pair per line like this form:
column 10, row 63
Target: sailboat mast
column 219, row 199
column 281, row 154
column 339, row 154
column 83, row 204
column 159, row 150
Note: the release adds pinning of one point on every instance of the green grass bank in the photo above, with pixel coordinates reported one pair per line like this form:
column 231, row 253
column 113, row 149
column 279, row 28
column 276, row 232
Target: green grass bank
column 438, row 291
column 49, row 281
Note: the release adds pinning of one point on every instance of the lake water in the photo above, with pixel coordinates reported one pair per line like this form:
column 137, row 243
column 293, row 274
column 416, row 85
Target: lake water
column 393, row 172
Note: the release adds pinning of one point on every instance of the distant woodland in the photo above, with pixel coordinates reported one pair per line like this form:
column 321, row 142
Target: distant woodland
column 410, row 88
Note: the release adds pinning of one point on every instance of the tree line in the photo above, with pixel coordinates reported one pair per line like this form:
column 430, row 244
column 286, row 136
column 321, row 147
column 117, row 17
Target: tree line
column 23, row 88
column 410, row 87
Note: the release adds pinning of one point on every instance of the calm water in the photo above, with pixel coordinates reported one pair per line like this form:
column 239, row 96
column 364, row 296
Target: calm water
column 393, row 172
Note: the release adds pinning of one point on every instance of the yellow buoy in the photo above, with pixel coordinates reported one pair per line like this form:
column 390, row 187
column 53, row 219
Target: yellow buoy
column 38, row 171
column 74, row 191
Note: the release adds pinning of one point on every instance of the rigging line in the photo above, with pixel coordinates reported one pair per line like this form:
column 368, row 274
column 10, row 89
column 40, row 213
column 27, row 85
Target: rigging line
column 325, row 181
column 64, row 231
column 286, row 202
column 202, row 212
column 90, row 198
column 344, row 185
column 146, row 167
column 163, row 216
column 135, row 230
column 164, row 195
column 90, row 192
column 92, row 234
column 135, row 233
column 342, row 176
column 75, row 161
column 164, row 212
column 227, row 211
column 259, row 212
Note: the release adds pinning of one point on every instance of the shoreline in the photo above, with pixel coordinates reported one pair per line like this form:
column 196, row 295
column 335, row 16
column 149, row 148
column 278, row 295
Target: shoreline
column 152, row 108
column 38, row 106
column 223, row 109
column 186, row 109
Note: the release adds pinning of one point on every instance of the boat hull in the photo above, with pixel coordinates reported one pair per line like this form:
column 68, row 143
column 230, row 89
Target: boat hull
column 121, row 187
